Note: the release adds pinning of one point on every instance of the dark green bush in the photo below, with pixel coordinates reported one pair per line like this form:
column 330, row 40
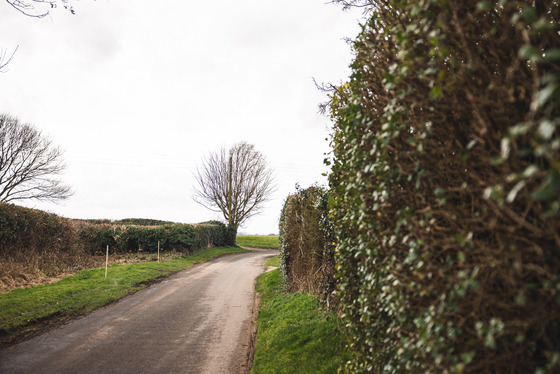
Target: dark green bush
column 306, row 250
column 446, row 188
column 95, row 237
column 214, row 233
column 131, row 238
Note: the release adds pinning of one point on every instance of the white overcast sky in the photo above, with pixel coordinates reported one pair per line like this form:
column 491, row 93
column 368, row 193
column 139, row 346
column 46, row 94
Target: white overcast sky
column 136, row 92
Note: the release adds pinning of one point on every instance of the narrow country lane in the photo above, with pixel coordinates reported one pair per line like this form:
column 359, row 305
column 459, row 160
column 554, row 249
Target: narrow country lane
column 197, row 321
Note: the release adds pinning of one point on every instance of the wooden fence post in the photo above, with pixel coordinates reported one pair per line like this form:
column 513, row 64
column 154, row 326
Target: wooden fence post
column 106, row 261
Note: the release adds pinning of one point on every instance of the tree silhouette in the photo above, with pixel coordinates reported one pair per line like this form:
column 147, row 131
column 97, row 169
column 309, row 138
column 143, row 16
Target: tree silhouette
column 28, row 162
column 235, row 182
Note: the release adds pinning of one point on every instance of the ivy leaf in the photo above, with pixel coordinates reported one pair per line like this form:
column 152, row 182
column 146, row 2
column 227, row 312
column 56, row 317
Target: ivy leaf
column 552, row 54
column 543, row 95
column 484, row 5
column 529, row 52
column 546, row 129
column 549, row 190
column 529, row 14
column 439, row 193
column 436, row 92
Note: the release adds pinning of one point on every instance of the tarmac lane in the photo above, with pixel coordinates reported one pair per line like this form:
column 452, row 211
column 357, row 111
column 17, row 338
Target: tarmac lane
column 197, row 321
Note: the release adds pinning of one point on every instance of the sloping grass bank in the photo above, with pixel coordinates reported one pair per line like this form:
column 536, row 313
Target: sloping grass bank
column 29, row 310
column 258, row 241
column 295, row 334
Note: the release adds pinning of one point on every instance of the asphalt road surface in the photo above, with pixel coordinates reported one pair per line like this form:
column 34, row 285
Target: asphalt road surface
column 197, row 321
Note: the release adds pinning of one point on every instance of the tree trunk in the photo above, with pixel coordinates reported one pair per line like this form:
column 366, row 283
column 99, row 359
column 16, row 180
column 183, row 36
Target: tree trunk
column 231, row 235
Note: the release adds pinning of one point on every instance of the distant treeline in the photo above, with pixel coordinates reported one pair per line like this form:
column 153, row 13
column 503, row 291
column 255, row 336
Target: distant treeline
column 128, row 221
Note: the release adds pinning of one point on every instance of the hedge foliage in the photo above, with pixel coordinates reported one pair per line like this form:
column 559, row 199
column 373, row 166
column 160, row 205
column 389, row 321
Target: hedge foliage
column 306, row 243
column 36, row 242
column 446, row 188
column 45, row 243
column 129, row 221
column 171, row 236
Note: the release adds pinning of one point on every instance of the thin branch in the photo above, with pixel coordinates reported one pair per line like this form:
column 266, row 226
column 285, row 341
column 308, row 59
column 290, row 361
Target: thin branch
column 28, row 8
column 3, row 61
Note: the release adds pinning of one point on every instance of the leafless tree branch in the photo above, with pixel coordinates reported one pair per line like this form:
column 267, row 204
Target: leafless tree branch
column 28, row 162
column 235, row 182
column 353, row 3
column 29, row 7
column 4, row 61
column 347, row 4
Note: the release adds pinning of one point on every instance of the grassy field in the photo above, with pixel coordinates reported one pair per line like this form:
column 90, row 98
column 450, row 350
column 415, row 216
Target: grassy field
column 295, row 334
column 28, row 310
column 258, row 241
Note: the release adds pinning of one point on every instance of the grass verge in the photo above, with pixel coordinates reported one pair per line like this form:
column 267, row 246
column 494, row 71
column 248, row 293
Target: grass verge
column 258, row 241
column 273, row 261
column 26, row 311
column 295, row 334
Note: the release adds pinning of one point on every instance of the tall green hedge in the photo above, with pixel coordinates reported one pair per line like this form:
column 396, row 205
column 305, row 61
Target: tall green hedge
column 50, row 244
column 306, row 243
column 446, row 188
column 33, row 228
column 36, row 242
column 171, row 236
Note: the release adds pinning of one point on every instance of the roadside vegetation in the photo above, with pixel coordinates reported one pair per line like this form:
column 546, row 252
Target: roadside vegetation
column 272, row 261
column 295, row 332
column 26, row 311
column 258, row 241
column 437, row 238
column 39, row 247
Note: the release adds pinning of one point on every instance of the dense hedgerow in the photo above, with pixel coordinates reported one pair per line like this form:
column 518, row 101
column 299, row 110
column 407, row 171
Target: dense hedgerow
column 306, row 243
column 33, row 242
column 446, row 188
column 171, row 236
column 129, row 221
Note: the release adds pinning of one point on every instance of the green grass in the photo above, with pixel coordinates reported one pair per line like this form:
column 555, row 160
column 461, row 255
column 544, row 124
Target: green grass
column 258, row 241
column 273, row 261
column 295, row 334
column 28, row 310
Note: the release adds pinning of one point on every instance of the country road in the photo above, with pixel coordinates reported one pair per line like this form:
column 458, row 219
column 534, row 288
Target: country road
column 196, row 321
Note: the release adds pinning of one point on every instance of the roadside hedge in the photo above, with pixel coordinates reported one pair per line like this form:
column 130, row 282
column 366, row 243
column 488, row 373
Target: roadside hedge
column 37, row 242
column 129, row 221
column 132, row 238
column 306, row 243
column 445, row 188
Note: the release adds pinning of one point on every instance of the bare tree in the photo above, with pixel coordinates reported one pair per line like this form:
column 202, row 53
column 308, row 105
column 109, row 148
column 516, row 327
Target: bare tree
column 4, row 59
column 28, row 162
column 35, row 9
column 38, row 8
column 235, row 182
